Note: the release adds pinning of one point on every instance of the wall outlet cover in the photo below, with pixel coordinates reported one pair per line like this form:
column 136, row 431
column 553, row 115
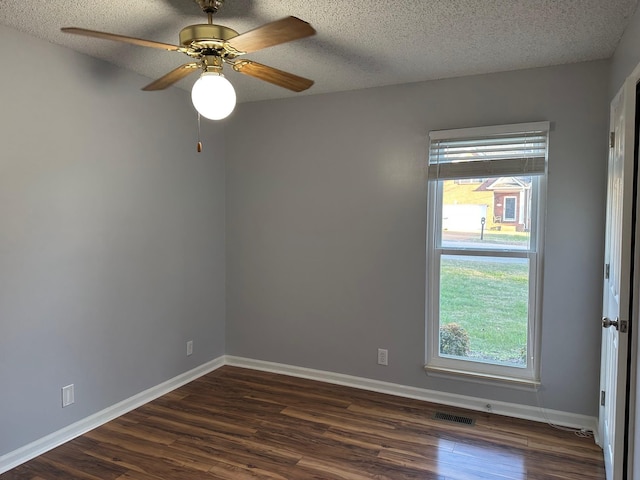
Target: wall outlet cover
column 68, row 395
column 383, row 356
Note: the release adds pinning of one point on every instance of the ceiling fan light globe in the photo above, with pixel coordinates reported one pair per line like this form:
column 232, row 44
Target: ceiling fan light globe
column 213, row 96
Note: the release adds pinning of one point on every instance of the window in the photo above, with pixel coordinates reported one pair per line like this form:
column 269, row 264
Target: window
column 484, row 246
column 509, row 209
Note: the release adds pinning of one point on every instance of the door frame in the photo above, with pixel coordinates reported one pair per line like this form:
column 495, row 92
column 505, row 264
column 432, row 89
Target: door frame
column 632, row 412
column 615, row 350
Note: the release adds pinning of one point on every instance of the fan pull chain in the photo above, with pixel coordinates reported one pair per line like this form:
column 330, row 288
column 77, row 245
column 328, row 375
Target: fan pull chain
column 199, row 142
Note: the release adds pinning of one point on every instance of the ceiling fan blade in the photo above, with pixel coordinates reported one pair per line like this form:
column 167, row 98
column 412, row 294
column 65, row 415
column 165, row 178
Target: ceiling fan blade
column 172, row 77
column 120, row 38
column 270, row 34
column 272, row 75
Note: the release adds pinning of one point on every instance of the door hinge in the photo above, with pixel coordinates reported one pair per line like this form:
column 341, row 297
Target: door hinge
column 612, row 139
column 624, row 326
column 602, row 394
column 607, row 271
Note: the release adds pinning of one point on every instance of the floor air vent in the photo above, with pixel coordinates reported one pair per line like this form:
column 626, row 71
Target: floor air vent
column 447, row 417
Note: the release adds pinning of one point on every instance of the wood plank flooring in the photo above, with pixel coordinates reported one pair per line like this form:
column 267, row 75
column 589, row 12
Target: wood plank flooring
column 242, row 424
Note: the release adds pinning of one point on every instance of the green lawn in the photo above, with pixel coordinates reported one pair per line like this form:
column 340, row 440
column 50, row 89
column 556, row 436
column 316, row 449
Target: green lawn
column 489, row 300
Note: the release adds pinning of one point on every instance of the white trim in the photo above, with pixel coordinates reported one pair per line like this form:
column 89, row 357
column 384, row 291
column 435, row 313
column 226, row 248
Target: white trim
column 435, row 251
column 631, row 83
column 527, row 384
column 526, row 412
column 635, row 321
column 55, row 439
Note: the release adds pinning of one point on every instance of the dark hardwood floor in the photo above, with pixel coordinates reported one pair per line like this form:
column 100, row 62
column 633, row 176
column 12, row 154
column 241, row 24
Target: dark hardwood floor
column 238, row 424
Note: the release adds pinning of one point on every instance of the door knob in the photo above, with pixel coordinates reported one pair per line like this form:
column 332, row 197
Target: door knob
column 606, row 323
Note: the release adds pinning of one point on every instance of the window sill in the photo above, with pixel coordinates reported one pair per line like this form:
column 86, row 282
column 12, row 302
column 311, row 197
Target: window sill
column 483, row 378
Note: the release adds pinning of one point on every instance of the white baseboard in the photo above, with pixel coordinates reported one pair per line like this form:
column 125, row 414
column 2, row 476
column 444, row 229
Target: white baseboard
column 526, row 412
column 55, row 439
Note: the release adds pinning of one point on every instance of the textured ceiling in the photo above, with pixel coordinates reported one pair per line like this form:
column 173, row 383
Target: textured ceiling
column 359, row 44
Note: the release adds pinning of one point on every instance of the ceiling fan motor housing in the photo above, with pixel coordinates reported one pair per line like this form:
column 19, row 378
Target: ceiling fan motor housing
column 204, row 38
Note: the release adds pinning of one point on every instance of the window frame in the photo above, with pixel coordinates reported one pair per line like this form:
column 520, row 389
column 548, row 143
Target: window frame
column 436, row 364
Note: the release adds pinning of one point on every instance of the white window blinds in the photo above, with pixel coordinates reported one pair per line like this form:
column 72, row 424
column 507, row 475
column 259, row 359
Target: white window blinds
column 504, row 150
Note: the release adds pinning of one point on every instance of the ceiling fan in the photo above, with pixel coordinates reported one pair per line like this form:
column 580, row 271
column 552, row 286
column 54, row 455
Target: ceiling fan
column 213, row 45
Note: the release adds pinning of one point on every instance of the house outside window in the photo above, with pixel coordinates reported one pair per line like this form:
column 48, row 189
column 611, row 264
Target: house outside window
column 484, row 251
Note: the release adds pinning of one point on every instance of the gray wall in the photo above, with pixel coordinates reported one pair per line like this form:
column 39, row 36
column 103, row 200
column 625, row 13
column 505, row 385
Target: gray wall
column 326, row 226
column 111, row 237
column 627, row 55
column 112, row 246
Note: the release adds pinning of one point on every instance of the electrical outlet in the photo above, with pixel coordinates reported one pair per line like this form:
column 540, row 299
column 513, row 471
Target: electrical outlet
column 189, row 347
column 68, row 396
column 383, row 356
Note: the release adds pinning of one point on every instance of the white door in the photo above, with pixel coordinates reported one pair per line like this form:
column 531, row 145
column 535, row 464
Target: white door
column 617, row 282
